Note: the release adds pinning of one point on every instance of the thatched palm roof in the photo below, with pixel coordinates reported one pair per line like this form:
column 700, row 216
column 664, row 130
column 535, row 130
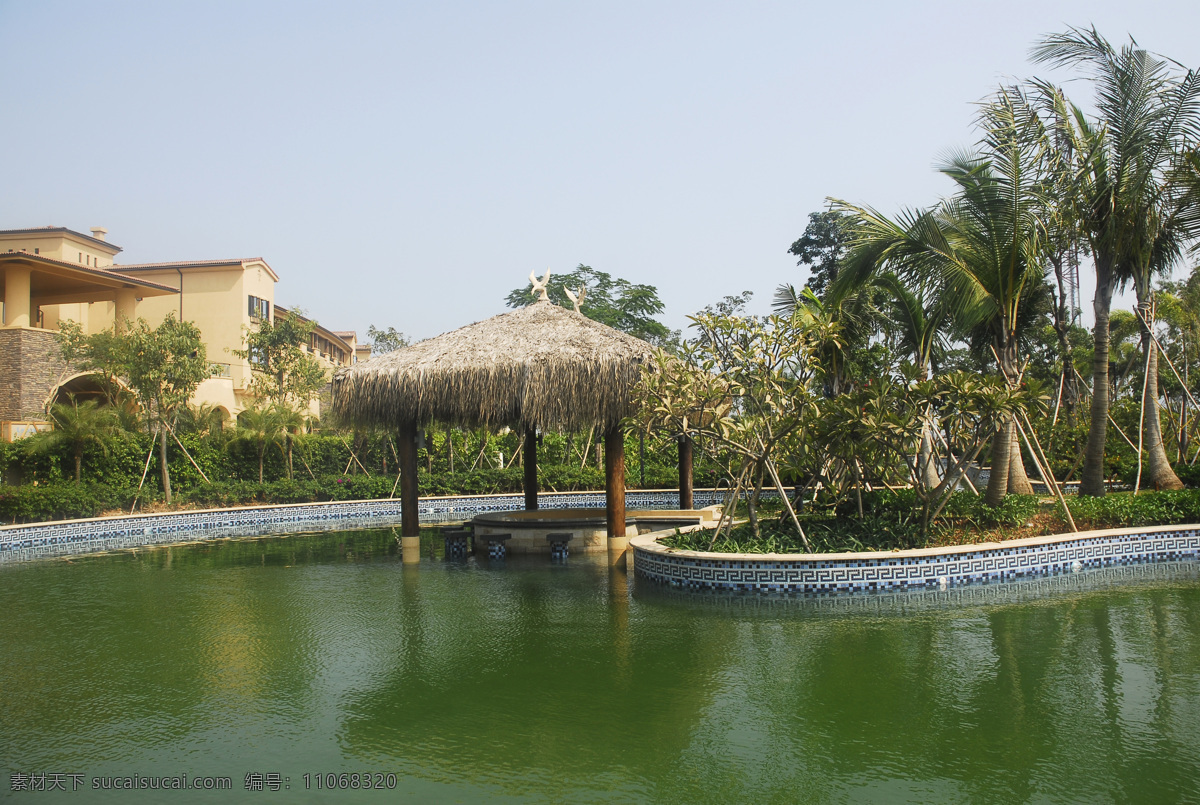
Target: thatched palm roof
column 541, row 366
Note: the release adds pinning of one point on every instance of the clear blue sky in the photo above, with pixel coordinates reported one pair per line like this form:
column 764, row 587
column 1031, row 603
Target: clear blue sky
column 407, row 164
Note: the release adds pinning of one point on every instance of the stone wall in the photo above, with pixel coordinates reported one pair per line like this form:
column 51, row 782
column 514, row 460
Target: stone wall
column 30, row 365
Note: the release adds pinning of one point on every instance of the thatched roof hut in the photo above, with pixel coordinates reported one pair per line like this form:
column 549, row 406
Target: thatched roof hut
column 542, row 366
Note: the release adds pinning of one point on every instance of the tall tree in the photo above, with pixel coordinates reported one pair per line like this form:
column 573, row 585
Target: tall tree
column 619, row 303
column 284, row 373
column 385, row 341
column 1147, row 116
column 984, row 244
column 822, row 247
column 164, row 365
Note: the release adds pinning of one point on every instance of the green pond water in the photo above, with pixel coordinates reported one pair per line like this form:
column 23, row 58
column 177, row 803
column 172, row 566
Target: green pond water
column 527, row 681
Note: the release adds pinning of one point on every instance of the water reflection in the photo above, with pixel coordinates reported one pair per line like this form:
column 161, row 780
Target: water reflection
column 549, row 682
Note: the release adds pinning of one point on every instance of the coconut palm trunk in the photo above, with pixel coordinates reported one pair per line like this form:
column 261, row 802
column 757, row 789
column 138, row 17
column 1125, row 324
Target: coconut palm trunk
column 1091, row 480
column 1018, row 479
column 1159, row 473
column 997, row 486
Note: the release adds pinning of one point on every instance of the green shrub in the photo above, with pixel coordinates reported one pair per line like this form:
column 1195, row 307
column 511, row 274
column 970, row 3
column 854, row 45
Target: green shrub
column 1119, row 510
column 64, row 500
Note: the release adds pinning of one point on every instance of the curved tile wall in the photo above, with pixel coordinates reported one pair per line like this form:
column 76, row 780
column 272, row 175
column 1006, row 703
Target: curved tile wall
column 824, row 574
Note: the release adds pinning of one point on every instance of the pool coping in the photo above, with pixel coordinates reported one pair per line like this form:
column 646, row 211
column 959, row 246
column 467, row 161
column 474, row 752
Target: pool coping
column 58, row 538
column 876, row 571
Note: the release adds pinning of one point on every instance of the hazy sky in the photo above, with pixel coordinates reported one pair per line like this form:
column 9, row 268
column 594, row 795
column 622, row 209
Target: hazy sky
column 407, row 164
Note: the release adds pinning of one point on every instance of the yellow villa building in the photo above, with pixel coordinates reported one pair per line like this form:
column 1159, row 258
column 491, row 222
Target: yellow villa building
column 53, row 274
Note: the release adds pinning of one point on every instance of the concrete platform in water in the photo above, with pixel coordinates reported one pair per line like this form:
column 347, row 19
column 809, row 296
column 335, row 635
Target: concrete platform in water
column 587, row 527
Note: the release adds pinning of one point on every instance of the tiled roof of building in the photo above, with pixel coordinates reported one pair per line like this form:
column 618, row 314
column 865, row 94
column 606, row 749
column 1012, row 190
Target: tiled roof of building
column 181, row 264
column 47, row 230
column 186, row 263
column 96, row 272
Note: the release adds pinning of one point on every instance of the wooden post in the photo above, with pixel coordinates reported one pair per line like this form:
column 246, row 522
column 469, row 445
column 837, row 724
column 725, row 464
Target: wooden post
column 685, row 472
column 530, row 459
column 406, row 443
column 614, row 492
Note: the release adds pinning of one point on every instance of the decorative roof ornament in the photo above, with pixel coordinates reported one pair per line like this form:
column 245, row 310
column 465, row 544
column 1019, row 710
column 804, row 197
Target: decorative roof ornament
column 539, row 287
column 577, row 300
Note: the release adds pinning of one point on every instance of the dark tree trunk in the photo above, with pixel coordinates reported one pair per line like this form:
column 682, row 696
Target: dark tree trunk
column 1091, row 480
column 685, row 472
column 162, row 459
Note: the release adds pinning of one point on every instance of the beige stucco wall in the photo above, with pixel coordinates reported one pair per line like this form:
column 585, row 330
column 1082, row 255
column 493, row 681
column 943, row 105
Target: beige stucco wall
column 215, row 299
column 60, row 246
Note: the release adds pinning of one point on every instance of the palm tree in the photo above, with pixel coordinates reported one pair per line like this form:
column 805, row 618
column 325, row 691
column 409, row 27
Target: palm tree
column 1119, row 194
column 261, row 427
column 76, row 425
column 984, row 245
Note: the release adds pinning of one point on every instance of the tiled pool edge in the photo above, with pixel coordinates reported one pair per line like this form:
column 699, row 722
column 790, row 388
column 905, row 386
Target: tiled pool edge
column 825, row 574
column 19, row 543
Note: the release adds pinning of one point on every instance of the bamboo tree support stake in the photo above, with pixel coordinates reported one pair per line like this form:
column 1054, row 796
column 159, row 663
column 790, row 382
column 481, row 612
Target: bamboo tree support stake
column 949, row 460
column 787, row 504
column 305, row 463
column 516, row 453
column 730, row 504
column 1142, row 418
column 145, row 471
column 353, row 458
column 186, row 453
column 1111, row 421
column 1163, row 351
column 1043, row 468
column 1058, row 398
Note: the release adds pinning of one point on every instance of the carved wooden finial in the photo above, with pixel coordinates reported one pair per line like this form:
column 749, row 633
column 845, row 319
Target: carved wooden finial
column 539, row 287
column 577, row 300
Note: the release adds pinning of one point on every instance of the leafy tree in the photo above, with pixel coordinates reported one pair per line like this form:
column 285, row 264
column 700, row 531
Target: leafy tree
column 619, row 303
column 984, row 245
column 163, row 366
column 744, row 386
column 283, row 372
column 1120, row 192
column 76, row 425
column 822, row 247
column 385, row 341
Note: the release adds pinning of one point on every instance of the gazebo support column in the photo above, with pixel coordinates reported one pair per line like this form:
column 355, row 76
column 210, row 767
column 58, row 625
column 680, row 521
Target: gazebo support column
column 614, row 492
column 530, row 461
column 685, row 472
column 410, row 520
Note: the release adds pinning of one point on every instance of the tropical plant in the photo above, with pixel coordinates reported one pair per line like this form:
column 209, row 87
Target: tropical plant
column 76, row 425
column 983, row 246
column 1121, row 194
column 263, row 427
